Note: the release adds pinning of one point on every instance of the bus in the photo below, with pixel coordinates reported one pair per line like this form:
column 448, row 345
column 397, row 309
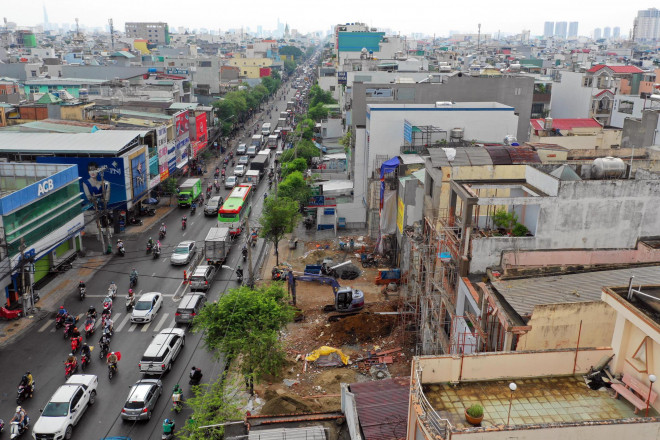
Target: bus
column 236, row 208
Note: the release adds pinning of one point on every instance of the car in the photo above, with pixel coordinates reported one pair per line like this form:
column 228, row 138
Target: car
column 146, row 307
column 252, row 151
column 141, row 400
column 66, row 407
column 242, row 148
column 212, row 205
column 243, row 160
column 183, row 252
column 230, row 182
column 239, row 170
column 162, row 351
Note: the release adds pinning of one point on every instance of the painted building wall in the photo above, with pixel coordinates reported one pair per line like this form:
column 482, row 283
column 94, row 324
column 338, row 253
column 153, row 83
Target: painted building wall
column 569, row 99
column 603, row 140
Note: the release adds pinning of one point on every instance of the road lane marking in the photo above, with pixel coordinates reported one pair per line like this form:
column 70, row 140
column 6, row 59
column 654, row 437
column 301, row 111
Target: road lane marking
column 146, row 326
column 45, row 326
column 123, row 323
column 132, row 327
column 161, row 322
column 172, row 323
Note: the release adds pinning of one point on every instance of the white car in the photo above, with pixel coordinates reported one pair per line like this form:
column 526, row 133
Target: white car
column 146, row 307
column 66, row 407
column 239, row 170
column 243, row 160
column 230, row 182
column 242, row 148
column 183, row 252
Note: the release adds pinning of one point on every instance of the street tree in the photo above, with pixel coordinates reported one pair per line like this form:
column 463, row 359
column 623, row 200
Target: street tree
column 289, row 66
column 299, row 164
column 291, row 50
column 304, row 148
column 244, row 326
column 278, row 218
column 319, row 96
column 169, row 187
column 211, row 404
column 294, row 187
column 318, row 112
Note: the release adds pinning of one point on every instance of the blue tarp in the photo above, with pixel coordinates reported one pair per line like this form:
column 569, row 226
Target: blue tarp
column 387, row 167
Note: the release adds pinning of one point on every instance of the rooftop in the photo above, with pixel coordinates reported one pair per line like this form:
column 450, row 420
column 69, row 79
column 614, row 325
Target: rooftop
column 541, row 400
column 616, row 69
column 645, row 298
column 382, row 406
column 566, row 124
column 523, row 294
column 64, row 81
column 99, row 142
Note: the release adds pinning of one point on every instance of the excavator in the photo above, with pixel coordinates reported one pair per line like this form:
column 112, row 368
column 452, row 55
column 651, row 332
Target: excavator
column 348, row 301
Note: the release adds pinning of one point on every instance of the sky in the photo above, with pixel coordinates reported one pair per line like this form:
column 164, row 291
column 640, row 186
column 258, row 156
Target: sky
column 422, row 16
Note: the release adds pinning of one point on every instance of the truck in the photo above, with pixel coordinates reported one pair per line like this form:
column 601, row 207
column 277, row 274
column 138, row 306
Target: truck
column 256, row 141
column 290, row 105
column 281, row 122
column 284, row 115
column 217, row 245
column 260, row 163
column 272, row 141
column 266, row 128
column 252, row 176
column 189, row 192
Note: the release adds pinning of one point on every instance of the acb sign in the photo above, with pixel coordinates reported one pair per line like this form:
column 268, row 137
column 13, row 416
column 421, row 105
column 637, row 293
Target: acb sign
column 45, row 186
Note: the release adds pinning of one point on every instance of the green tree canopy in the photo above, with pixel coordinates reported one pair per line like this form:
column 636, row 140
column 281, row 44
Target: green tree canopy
column 319, row 96
column 294, row 187
column 244, row 325
column 278, row 217
column 291, row 50
column 318, row 112
column 289, row 66
column 299, row 164
column 304, row 148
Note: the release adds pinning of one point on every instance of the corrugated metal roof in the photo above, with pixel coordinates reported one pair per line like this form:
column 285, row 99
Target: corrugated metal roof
column 523, row 154
column 382, row 407
column 499, row 154
column 306, row 433
column 566, row 124
column 522, row 295
column 100, row 142
column 465, row 156
column 183, row 105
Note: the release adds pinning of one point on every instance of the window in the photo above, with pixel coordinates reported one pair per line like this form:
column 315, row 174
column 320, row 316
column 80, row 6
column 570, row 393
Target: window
column 588, row 81
column 517, row 91
column 76, row 399
column 626, row 107
column 34, row 89
column 33, row 73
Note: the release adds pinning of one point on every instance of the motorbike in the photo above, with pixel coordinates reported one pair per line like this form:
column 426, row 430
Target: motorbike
column 239, row 277
column 193, row 209
column 83, row 292
column 147, row 211
column 177, row 402
column 309, row 223
column 133, row 281
column 59, row 320
column 233, row 162
column 156, row 253
column 169, row 435
column 24, row 392
column 112, row 370
column 183, row 223
column 107, row 303
column 68, row 328
column 112, row 291
column 195, row 379
column 244, row 252
column 16, row 430
column 161, row 235
column 121, row 251
column 209, row 191
column 90, row 326
column 270, row 183
column 70, row 368
column 149, row 247
column 84, row 361
column 130, row 302
column 134, row 221
column 104, row 349
column 217, row 188
column 76, row 342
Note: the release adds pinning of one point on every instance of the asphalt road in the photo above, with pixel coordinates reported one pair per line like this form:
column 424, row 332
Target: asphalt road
column 43, row 350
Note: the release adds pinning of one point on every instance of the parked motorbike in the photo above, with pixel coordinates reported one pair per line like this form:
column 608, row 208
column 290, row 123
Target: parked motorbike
column 16, row 430
column 70, row 368
column 83, row 291
column 134, row 221
column 147, row 211
column 24, row 392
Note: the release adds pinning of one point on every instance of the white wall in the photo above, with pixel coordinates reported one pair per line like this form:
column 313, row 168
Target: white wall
column 617, row 117
column 569, row 99
column 325, row 82
column 482, row 121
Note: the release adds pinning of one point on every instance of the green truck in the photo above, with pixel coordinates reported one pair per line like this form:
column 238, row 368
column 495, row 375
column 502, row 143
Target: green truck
column 189, row 192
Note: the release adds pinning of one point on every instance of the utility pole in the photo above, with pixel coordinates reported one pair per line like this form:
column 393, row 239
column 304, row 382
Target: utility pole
column 479, row 37
column 28, row 301
column 250, row 279
column 112, row 33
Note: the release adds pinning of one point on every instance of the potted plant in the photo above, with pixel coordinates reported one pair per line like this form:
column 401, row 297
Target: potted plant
column 474, row 414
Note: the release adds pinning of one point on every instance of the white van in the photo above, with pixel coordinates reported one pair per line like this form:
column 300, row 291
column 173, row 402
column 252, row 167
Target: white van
column 163, row 351
column 265, row 129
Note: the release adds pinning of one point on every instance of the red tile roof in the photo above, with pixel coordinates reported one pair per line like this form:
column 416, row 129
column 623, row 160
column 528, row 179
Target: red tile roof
column 616, row 69
column 382, row 407
column 603, row 92
column 567, row 124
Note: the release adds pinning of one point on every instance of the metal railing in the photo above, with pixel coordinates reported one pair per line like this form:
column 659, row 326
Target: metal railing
column 428, row 415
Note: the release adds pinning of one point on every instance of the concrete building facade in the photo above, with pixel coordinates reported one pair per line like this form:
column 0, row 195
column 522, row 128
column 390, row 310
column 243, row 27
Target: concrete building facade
column 155, row 32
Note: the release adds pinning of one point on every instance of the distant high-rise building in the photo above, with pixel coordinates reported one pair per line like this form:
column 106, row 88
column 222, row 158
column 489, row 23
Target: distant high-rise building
column 597, row 34
column 647, row 25
column 607, row 32
column 549, row 29
column 561, row 28
column 46, row 19
column 616, row 32
column 154, row 32
column 572, row 29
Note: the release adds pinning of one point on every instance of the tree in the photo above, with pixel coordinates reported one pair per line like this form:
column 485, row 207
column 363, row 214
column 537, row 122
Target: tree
column 305, row 149
column 289, row 66
column 169, row 187
column 319, row 96
column 244, row 325
column 211, row 405
column 299, row 164
column 318, row 112
column 294, row 187
column 346, row 140
column 278, row 217
column 291, row 50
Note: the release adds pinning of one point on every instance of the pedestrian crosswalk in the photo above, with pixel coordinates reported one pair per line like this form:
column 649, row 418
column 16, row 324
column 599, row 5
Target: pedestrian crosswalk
column 123, row 323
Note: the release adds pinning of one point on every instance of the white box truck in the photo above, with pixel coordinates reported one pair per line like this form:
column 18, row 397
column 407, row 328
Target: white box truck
column 217, row 245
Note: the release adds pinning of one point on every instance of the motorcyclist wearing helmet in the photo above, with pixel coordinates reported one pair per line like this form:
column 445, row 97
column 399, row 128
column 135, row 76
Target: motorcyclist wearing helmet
column 113, row 286
column 86, row 351
column 75, row 333
column 70, row 319
column 239, row 272
column 28, row 381
column 112, row 360
column 91, row 312
column 134, row 274
column 81, row 284
column 71, row 360
column 20, row 416
column 150, row 243
column 130, row 293
column 168, row 426
column 62, row 311
column 158, row 246
column 163, row 228
column 109, row 325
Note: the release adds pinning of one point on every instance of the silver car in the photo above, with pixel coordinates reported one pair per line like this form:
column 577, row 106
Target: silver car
column 141, row 400
column 184, row 252
column 242, row 148
column 230, row 182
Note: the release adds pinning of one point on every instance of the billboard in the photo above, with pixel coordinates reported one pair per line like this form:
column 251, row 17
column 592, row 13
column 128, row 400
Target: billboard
column 101, row 178
column 200, row 124
column 182, row 122
column 139, row 173
column 161, row 145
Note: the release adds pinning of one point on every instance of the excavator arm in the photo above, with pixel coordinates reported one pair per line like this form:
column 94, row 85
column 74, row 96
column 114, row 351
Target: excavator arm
column 321, row 279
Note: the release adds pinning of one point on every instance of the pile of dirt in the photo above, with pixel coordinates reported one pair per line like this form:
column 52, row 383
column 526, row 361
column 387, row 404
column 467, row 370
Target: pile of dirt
column 360, row 328
column 285, row 404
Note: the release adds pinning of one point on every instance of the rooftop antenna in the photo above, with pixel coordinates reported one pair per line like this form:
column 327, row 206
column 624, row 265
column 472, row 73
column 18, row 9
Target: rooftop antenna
column 479, row 38
column 112, row 33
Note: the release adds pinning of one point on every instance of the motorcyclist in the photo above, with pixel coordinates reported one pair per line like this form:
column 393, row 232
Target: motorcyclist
column 120, row 244
column 19, row 417
column 134, row 274
column 239, row 272
column 70, row 320
column 113, row 286
column 130, row 293
column 28, row 381
column 193, row 206
column 75, row 333
column 112, row 360
column 150, row 243
column 109, row 325
column 104, row 342
column 81, row 285
column 168, row 427
column 195, row 374
column 71, row 361
column 86, row 351
column 91, row 312
column 158, row 246
column 163, row 228
column 62, row 311
column 244, row 251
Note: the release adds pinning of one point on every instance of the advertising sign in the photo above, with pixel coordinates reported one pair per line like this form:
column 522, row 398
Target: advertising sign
column 400, row 213
column 407, row 131
column 171, row 156
column 161, row 146
column 182, row 124
column 101, row 178
column 342, row 78
column 139, row 174
column 200, row 124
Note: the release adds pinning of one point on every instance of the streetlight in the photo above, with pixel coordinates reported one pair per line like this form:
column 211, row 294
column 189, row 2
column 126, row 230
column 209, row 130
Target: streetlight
column 512, row 387
column 652, row 379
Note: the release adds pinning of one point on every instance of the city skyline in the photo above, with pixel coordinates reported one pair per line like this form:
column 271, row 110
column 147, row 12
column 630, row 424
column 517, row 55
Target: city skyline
column 492, row 17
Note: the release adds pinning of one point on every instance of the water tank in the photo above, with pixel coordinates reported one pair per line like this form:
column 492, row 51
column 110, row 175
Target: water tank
column 456, row 134
column 152, row 70
column 654, row 97
column 510, row 139
column 83, row 95
column 514, row 67
column 608, row 168
column 547, row 123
